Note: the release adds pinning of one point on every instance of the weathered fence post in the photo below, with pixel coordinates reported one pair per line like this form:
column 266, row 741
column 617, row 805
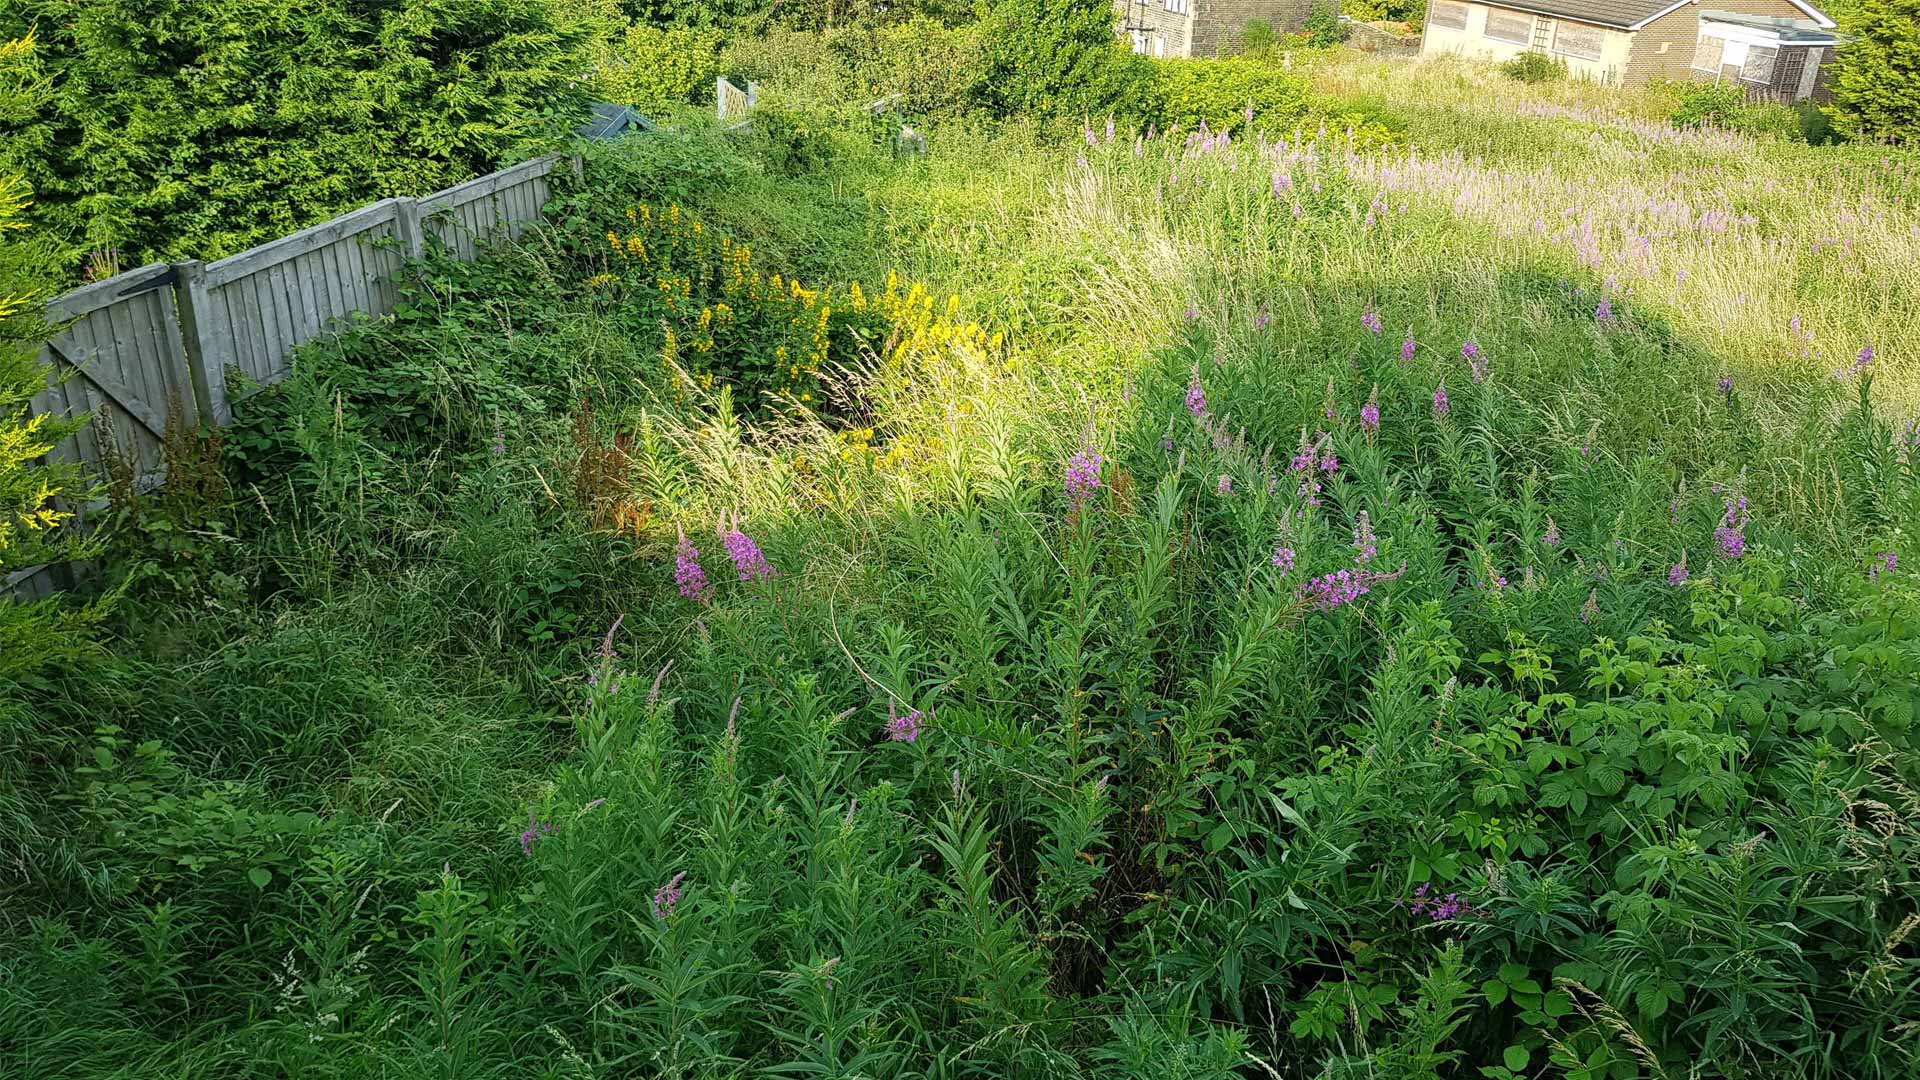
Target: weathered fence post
column 208, row 354
column 406, row 224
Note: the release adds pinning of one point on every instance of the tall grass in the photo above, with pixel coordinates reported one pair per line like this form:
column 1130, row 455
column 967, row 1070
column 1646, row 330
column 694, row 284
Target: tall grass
column 1054, row 743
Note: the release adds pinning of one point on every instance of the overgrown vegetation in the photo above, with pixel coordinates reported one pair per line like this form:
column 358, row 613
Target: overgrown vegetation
column 1291, row 604
column 198, row 128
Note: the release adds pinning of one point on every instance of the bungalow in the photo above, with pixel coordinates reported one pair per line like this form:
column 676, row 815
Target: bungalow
column 1775, row 47
column 1201, row 27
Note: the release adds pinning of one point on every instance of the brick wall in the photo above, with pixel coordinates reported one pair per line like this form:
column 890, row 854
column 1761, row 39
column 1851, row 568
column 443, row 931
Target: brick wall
column 1216, row 22
column 1679, row 30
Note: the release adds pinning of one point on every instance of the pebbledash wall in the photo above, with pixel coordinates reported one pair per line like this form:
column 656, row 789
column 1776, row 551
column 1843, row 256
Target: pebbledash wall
column 1592, row 52
column 160, row 344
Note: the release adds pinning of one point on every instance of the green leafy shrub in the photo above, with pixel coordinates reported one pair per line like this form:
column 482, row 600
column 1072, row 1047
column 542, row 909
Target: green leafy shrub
column 1227, row 95
column 1324, row 28
column 1534, row 67
column 1056, row 58
column 30, row 515
column 1699, row 104
column 1705, row 104
column 655, row 69
column 1876, row 77
column 197, row 129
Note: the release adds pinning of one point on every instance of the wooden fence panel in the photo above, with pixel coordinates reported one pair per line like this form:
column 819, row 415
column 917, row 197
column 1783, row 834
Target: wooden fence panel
column 120, row 357
column 469, row 216
column 158, row 342
column 272, row 299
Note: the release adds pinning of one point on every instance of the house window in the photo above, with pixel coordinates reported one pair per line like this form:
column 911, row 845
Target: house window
column 1573, row 39
column 1512, row 26
column 1706, row 54
column 1446, row 14
column 1178, row 7
column 1664, row 46
column 1139, row 41
column 1159, row 45
column 1759, row 65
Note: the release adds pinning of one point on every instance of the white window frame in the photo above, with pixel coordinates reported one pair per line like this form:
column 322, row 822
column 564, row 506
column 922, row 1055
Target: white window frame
column 1526, row 36
column 1599, row 33
column 1433, row 11
column 1160, row 45
column 1178, row 7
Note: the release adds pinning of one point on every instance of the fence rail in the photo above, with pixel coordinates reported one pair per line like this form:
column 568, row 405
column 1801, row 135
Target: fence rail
column 160, row 341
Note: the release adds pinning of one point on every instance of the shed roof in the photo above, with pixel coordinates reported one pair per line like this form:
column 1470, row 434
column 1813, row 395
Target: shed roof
column 1626, row 14
column 1789, row 31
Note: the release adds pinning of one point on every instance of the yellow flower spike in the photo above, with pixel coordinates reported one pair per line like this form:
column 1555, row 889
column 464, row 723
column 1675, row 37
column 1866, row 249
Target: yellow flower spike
column 631, row 216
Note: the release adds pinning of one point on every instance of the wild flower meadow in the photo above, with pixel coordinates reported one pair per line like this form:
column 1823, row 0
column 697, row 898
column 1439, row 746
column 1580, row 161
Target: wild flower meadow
column 1148, row 606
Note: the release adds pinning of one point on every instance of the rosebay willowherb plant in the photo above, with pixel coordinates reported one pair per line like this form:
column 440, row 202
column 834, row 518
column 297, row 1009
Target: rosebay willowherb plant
column 969, row 725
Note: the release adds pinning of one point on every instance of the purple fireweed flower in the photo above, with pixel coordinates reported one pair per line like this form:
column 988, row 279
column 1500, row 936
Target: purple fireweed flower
column 1726, row 386
column 531, row 835
column 1327, row 406
column 1435, row 908
column 1604, row 313
column 1283, row 558
column 1440, row 406
column 1311, row 459
column 1591, row 608
column 687, row 573
column 1883, row 563
column 1730, row 536
column 666, row 896
column 1677, row 574
column 1261, row 320
column 904, row 728
column 1192, row 314
column 1371, row 320
column 1476, row 363
column 1370, row 414
column 1406, row 348
column 1866, row 357
column 1341, row 587
column 1196, row 397
column 499, row 447
column 747, row 560
column 1225, row 486
column 1091, row 140
column 1083, row 478
column 1552, row 538
column 1365, row 545
column 1282, row 184
column 1109, row 129
column 1249, row 113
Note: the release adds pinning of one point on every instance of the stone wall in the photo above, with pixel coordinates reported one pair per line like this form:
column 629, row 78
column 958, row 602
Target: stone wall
column 1216, row 23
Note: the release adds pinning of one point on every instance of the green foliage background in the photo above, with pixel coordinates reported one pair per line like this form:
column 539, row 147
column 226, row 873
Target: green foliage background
column 198, row 128
column 1876, row 81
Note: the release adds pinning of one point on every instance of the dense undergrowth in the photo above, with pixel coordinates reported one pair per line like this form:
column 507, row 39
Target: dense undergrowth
column 1201, row 607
